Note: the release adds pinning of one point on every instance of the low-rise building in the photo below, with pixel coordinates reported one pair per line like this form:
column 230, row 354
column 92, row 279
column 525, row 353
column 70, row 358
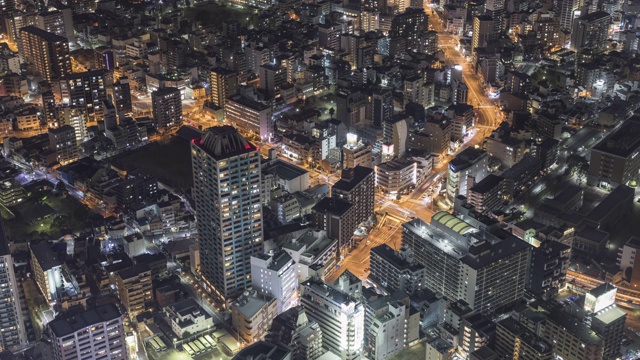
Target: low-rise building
column 187, row 318
column 515, row 341
column 391, row 324
column 252, row 314
column 394, row 272
column 396, row 176
column 134, row 288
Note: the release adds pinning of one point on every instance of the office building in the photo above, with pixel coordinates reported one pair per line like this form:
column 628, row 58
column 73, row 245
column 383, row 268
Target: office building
column 275, row 275
column 357, row 187
column 48, row 53
column 224, row 83
column 396, row 176
column 252, row 314
column 467, row 168
column 167, row 107
column 94, row 334
column 463, row 263
column 249, row 115
column 134, row 288
column 63, row 141
column 293, row 329
column 356, row 153
column 13, row 332
column 486, row 195
column 614, row 160
column 86, row 90
column 515, row 341
column 122, row 96
column 340, row 316
column 395, row 271
column 186, row 317
column 483, row 31
column 591, row 31
column 229, row 211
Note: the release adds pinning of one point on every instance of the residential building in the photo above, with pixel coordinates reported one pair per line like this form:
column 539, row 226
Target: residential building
column 356, row 153
column 571, row 338
column 249, row 115
column 186, row 317
column 275, row 275
column 483, row 30
column 13, row 332
column 134, row 288
column 293, row 329
column 337, row 218
column 627, row 259
column 63, row 141
column 435, row 136
column 395, row 271
column 391, row 324
column 122, row 96
column 47, row 270
column 468, row 167
column 48, row 53
column 357, row 187
column 462, row 262
column 167, row 107
column 76, row 118
column 439, row 349
column 486, row 195
column 97, row 333
column 515, row 341
column 224, row 83
column 591, row 31
column 272, row 78
column 59, row 22
column 230, row 212
column 340, row 316
column 463, row 120
column 396, row 176
column 504, row 148
column 85, row 90
column 548, row 268
column 614, row 160
column 252, row 314
column 27, row 119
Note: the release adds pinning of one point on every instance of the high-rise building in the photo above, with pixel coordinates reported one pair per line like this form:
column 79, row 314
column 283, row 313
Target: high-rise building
column 63, row 141
column 48, row 53
column 394, row 272
column 122, row 96
column 495, row 9
column 59, row 22
column 226, row 190
column 249, row 115
column 462, row 262
column 614, row 160
column 567, row 13
column 409, row 25
column 357, row 187
column 606, row 319
column 591, row 31
column 74, row 117
column 272, row 77
column 94, row 334
column 275, row 275
column 12, row 328
column 483, row 30
column 571, row 338
column 390, row 326
column 86, row 90
column 336, row 217
column 134, row 288
column 47, row 270
column 548, row 268
column 224, row 83
column 49, row 109
column 167, row 107
column 382, row 105
column 340, row 316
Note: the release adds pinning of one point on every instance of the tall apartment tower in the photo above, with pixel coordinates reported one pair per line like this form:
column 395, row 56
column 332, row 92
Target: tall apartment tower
column 59, row 22
column 482, row 31
column 86, row 90
column 226, row 190
column 567, row 13
column 357, row 187
column 48, row 53
column 495, row 9
column 122, row 96
column 591, row 31
column 94, row 334
column 224, row 83
column 340, row 316
column 12, row 329
column 167, row 107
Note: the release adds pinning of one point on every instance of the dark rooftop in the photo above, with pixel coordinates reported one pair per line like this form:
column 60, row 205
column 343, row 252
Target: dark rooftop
column 43, row 34
column 487, row 184
column 623, row 142
column 284, row 170
column 351, row 178
column 133, row 271
column 45, row 255
column 332, row 205
column 66, row 326
column 223, row 142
